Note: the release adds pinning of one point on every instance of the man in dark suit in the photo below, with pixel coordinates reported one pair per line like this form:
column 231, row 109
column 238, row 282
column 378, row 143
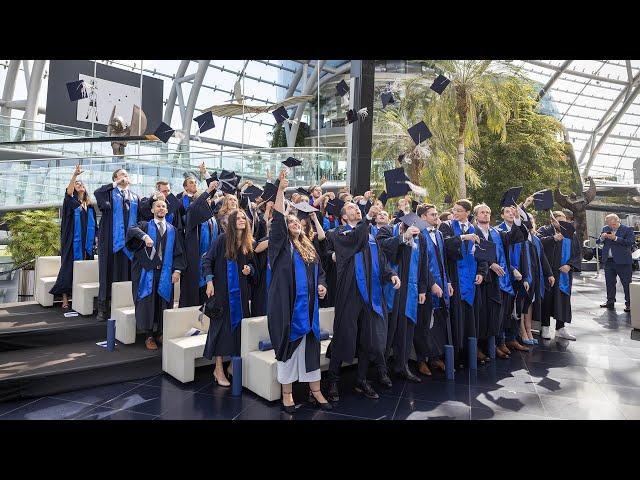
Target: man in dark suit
column 616, row 255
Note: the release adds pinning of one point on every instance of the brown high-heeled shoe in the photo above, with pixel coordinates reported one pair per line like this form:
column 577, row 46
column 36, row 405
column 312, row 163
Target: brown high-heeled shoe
column 423, row 368
column 503, row 348
column 439, row 364
column 501, row 354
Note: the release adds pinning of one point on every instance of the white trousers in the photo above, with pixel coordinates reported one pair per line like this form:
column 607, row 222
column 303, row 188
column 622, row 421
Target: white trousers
column 295, row 368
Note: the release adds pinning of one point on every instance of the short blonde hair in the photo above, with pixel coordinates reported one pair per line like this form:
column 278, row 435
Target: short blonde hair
column 612, row 216
column 479, row 206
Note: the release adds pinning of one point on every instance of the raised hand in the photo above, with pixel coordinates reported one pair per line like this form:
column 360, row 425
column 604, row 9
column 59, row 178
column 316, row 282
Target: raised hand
column 77, row 171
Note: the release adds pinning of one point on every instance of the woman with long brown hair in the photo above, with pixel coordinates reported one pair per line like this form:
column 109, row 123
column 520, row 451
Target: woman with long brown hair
column 78, row 232
column 296, row 283
column 228, row 267
column 229, row 204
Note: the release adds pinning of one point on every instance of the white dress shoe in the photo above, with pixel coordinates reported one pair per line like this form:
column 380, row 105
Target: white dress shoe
column 545, row 333
column 563, row 333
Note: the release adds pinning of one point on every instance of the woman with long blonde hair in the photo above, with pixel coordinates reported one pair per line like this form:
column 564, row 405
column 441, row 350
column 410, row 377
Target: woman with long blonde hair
column 229, row 204
column 228, row 267
column 297, row 282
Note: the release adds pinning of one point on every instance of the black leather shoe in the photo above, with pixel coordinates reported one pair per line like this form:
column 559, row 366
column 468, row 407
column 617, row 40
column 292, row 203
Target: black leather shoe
column 290, row 409
column 408, row 375
column 366, row 388
column 323, row 406
column 609, row 306
column 627, row 309
column 385, row 381
column 334, row 392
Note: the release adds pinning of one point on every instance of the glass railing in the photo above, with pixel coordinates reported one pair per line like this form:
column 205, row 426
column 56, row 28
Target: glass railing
column 41, row 182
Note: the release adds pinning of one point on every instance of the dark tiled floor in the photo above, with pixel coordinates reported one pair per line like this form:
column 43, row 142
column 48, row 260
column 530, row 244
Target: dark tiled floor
column 596, row 377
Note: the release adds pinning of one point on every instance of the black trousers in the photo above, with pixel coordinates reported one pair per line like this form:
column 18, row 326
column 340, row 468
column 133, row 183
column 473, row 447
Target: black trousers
column 613, row 270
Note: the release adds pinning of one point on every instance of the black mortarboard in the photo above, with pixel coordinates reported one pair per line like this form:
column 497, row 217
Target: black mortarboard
column 510, row 197
column 304, row 209
column 342, row 88
column 485, row 251
column 412, row 219
column 292, row 162
column 164, row 132
column 395, row 181
column 302, row 191
column 352, row 116
column 213, row 177
column 419, row 132
column 387, row 98
column 146, row 261
column 280, row 114
column 227, row 187
column 205, row 121
column 334, row 207
column 252, row 192
column 543, row 200
column 439, row 84
column 76, row 90
column 269, row 193
column 567, row 229
column 228, row 181
column 173, row 204
column 226, row 174
column 448, row 198
column 383, row 198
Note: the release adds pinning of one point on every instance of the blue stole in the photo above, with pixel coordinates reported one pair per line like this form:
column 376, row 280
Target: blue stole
column 564, row 283
column 300, row 318
column 328, row 225
column 538, row 244
column 467, row 266
column 411, row 307
column 389, row 291
column 118, row 229
column 185, row 202
column 77, row 233
column 374, row 230
column 165, row 287
column 204, row 245
column 434, row 267
column 376, row 289
column 233, row 288
column 529, row 277
column 504, row 281
column 169, row 218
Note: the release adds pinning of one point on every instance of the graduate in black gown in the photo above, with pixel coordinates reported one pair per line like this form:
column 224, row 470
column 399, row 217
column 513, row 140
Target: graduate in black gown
column 497, row 288
column 186, row 198
column 229, row 267
column 433, row 329
column 466, row 274
column 407, row 249
column 360, row 323
column 259, row 290
column 293, row 317
column 78, row 232
column 157, row 263
column 200, row 231
column 163, row 192
column 564, row 256
column 119, row 208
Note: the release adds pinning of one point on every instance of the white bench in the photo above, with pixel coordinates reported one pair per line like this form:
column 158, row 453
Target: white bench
column 85, row 285
column 123, row 310
column 180, row 354
column 259, row 369
column 634, row 293
column 46, row 274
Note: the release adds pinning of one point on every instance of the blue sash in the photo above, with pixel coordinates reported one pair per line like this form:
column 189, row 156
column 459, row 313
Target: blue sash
column 411, row 307
column 205, row 241
column 505, row 280
column 118, row 229
column 300, row 318
column 376, row 289
column 77, row 233
column 233, row 287
column 165, row 287
column 434, row 267
column 565, row 283
column 529, row 277
column 169, row 218
column 185, row 202
column 467, row 266
column 538, row 244
column 374, row 230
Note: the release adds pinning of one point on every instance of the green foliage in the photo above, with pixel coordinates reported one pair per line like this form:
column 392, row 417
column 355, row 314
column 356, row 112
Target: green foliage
column 32, row 234
column 279, row 136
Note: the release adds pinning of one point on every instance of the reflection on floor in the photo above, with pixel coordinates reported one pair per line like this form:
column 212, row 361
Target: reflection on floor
column 596, row 377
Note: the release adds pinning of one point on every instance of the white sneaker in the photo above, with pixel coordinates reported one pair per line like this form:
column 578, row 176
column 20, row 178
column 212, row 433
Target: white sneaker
column 545, row 333
column 563, row 333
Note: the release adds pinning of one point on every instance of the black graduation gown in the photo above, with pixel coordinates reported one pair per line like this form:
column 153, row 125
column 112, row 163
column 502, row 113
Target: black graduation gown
column 356, row 325
column 401, row 328
column 221, row 339
column 494, row 301
column 464, row 317
column 536, row 261
column 259, row 288
column 111, row 267
column 182, row 212
column 149, row 309
column 64, row 282
column 282, row 294
column 556, row 304
column 190, row 292
column 329, row 267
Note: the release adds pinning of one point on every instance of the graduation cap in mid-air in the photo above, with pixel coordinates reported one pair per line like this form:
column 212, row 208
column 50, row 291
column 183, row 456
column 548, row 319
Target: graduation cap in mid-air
column 334, row 207
column 387, row 98
column 411, row 219
column 543, row 200
column 77, row 90
column 510, row 197
column 228, row 181
column 485, row 251
column 383, row 198
column 213, row 177
column 205, row 121
column 567, row 229
column 439, row 84
column 352, row 116
column 280, row 114
column 396, row 182
column 164, row 132
column 252, row 192
column 304, row 209
column 292, row 162
column 342, row 88
column 419, row 132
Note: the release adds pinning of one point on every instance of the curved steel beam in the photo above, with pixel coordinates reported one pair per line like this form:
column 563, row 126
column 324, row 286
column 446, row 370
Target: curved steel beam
column 553, row 79
column 33, row 93
column 191, row 103
column 173, row 94
column 309, row 86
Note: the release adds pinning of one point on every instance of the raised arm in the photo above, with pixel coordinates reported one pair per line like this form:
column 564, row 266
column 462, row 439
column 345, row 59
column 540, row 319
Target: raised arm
column 72, row 183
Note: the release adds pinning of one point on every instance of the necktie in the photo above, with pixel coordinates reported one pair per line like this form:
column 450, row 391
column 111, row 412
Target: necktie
column 161, row 234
